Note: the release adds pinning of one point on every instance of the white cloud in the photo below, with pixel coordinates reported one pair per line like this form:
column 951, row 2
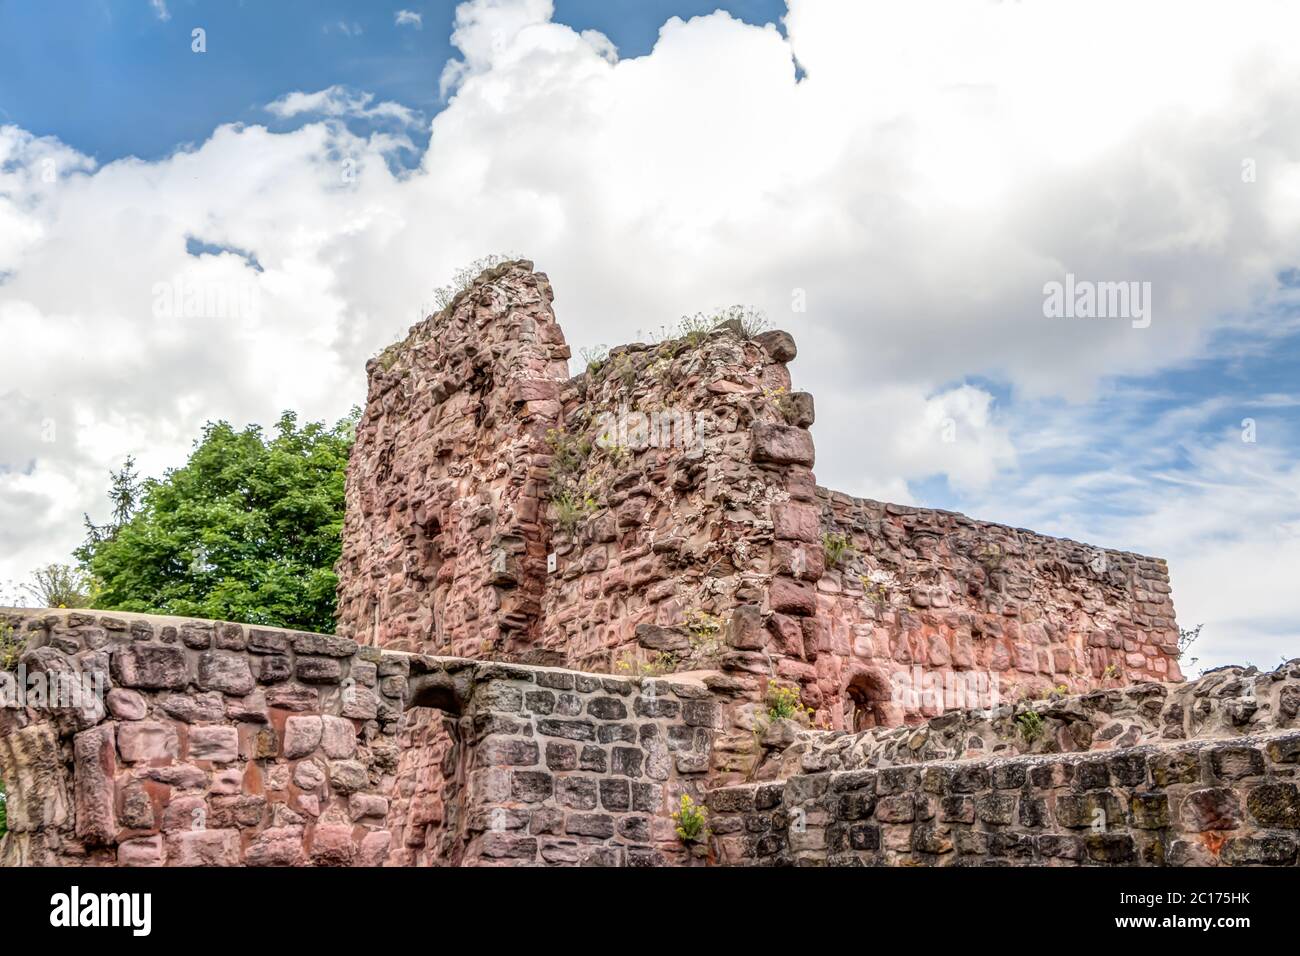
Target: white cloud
column 936, row 165
column 338, row 101
column 408, row 18
column 160, row 9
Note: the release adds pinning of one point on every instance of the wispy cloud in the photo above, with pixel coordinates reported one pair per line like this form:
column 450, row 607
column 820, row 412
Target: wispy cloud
column 408, row 18
column 338, row 101
column 348, row 29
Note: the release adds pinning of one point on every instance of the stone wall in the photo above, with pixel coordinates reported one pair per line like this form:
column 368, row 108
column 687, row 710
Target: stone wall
column 935, row 590
column 1202, row 803
column 210, row 743
column 659, row 511
column 1196, row 774
column 1226, row 702
column 199, row 743
column 443, row 547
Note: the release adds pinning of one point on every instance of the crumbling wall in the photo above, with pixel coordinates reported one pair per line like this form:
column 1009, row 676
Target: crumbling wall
column 1196, row 774
column 210, row 743
column 443, row 549
column 929, row 610
column 658, row 512
column 680, row 453
column 1224, row 703
column 1203, row 803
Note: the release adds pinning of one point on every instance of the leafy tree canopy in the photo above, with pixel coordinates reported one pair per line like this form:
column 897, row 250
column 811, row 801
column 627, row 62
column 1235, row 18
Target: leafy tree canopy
column 249, row 530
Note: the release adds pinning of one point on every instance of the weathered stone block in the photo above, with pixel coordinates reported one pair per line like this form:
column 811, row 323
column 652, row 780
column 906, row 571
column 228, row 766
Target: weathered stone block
column 217, row 744
column 226, row 672
column 96, row 764
column 150, row 667
column 147, row 741
column 783, row 445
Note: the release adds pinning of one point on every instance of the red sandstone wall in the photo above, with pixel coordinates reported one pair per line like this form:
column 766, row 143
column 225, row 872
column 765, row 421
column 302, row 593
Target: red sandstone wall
column 1024, row 611
column 219, row 744
column 427, row 813
column 680, row 525
column 442, row 543
column 672, row 485
column 211, row 743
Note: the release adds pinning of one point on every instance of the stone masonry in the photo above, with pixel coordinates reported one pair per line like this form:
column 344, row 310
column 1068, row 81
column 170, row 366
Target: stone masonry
column 1198, row 774
column 223, row 744
column 567, row 603
column 661, row 507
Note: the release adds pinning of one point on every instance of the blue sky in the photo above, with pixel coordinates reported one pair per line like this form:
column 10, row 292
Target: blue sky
column 917, row 172
column 116, row 79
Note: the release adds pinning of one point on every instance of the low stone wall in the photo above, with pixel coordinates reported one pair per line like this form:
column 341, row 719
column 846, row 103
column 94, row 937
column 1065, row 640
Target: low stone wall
column 1203, row 803
column 1224, row 703
column 575, row 768
column 210, row 743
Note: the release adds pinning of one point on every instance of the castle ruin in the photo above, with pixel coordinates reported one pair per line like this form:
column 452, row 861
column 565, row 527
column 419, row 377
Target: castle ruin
column 567, row 602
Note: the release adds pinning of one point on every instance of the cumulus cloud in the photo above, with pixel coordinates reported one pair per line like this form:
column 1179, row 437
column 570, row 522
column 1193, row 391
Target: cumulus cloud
column 408, row 18
column 913, row 174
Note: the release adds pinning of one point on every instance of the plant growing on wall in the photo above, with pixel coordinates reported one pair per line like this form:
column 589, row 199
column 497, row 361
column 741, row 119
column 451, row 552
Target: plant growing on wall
column 464, row 277
column 837, row 548
column 11, row 647
column 662, row 663
column 784, row 703
column 593, row 358
column 572, row 509
column 691, row 820
column 749, row 320
column 569, row 456
column 1031, row 725
column 878, row 584
column 704, row 630
column 783, row 402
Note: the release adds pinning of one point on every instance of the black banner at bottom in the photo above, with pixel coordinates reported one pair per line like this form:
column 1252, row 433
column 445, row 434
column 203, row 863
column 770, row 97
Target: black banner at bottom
column 334, row 907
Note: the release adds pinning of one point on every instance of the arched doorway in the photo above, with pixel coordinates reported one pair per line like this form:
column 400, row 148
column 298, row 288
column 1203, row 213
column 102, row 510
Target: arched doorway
column 867, row 702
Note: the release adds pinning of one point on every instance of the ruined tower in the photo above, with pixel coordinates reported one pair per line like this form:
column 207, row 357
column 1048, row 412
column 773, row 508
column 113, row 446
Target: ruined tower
column 659, row 512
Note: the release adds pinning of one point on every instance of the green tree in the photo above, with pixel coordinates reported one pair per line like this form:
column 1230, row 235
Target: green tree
column 249, row 530
column 124, row 493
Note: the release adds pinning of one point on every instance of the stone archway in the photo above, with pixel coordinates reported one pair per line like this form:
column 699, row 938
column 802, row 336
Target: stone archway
column 868, row 702
column 427, row 813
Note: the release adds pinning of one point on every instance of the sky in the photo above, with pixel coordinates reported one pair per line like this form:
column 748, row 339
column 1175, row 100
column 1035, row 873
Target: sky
column 906, row 188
